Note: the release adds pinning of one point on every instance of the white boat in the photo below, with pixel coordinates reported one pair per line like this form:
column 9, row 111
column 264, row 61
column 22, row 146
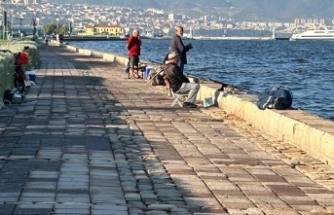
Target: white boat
column 319, row 34
column 149, row 34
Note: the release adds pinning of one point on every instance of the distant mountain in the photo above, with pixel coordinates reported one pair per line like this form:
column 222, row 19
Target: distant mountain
column 252, row 10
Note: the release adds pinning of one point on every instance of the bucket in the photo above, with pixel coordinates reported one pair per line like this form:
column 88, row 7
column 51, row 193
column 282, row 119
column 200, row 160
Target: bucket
column 147, row 72
column 207, row 102
column 32, row 75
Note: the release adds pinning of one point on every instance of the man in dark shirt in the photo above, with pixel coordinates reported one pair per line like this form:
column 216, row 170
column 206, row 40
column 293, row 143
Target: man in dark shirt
column 178, row 82
column 61, row 38
column 178, row 47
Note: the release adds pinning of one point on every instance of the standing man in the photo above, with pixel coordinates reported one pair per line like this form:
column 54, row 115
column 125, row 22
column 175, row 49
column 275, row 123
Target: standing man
column 61, row 39
column 178, row 47
column 19, row 73
column 46, row 38
column 25, row 58
column 133, row 45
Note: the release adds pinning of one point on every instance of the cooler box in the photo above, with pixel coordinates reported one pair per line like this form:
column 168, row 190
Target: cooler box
column 32, row 75
column 147, row 72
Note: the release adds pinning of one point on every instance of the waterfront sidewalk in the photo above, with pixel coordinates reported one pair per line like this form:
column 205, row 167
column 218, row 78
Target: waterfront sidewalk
column 89, row 141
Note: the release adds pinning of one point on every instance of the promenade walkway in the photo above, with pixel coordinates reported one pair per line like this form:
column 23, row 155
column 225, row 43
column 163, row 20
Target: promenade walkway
column 89, row 141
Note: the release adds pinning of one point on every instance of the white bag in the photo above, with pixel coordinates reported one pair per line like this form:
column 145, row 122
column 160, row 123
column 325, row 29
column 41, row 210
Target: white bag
column 17, row 98
column 27, row 83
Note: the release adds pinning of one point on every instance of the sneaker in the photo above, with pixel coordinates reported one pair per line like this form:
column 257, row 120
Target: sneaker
column 189, row 105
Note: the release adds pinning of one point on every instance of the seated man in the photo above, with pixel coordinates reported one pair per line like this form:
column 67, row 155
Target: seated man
column 178, row 82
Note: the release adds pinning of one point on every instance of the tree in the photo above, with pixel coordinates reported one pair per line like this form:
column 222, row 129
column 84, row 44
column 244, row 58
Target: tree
column 55, row 28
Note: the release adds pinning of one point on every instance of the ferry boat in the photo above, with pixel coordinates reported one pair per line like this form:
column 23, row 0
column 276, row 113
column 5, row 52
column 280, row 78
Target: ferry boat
column 319, row 34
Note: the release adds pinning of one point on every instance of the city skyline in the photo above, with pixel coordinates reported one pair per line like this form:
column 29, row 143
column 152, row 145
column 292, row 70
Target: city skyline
column 147, row 20
column 25, row 1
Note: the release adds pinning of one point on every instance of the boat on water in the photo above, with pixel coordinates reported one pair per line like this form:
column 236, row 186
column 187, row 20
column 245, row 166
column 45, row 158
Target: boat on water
column 150, row 34
column 318, row 34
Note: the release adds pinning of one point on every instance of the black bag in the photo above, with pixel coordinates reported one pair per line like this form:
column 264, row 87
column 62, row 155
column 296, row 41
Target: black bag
column 279, row 98
column 7, row 97
column 158, row 80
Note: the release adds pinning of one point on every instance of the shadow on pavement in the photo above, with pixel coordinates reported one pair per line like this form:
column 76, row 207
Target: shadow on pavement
column 72, row 149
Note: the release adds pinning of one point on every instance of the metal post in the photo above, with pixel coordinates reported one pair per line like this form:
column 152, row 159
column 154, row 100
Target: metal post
column 11, row 22
column 5, row 23
column 57, row 25
column 3, row 19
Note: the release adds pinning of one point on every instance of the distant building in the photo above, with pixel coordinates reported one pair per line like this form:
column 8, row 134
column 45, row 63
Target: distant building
column 309, row 20
column 25, row 1
column 303, row 21
column 322, row 21
column 175, row 17
column 297, row 21
column 171, row 17
column 315, row 21
column 103, row 29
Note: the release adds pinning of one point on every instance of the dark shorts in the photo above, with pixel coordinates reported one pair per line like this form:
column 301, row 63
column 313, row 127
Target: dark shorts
column 134, row 61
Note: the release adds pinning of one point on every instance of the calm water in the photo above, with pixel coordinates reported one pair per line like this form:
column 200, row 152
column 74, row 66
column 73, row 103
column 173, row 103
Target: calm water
column 305, row 67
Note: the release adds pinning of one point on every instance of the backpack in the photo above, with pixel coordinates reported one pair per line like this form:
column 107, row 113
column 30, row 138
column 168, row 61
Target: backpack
column 279, row 98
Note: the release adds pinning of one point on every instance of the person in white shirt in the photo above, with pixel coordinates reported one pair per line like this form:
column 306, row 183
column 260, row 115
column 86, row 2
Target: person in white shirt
column 47, row 38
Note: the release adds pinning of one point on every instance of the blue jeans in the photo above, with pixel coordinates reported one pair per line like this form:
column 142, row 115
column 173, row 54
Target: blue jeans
column 182, row 66
column 192, row 90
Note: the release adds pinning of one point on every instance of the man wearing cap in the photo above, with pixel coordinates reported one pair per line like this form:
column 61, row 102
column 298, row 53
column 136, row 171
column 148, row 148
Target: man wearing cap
column 178, row 82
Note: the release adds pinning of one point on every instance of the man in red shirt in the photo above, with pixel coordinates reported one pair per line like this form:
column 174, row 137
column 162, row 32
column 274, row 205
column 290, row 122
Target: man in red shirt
column 19, row 73
column 24, row 56
column 133, row 44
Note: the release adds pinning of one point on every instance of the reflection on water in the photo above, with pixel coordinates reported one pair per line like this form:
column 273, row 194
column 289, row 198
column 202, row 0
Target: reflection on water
column 306, row 67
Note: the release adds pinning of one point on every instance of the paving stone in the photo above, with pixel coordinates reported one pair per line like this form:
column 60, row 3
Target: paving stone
column 156, row 212
column 67, row 197
column 163, row 207
column 71, row 211
column 35, row 205
column 132, row 197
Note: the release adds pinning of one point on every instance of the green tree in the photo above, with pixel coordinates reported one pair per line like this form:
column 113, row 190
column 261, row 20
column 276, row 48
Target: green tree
column 64, row 29
column 55, row 28
column 50, row 28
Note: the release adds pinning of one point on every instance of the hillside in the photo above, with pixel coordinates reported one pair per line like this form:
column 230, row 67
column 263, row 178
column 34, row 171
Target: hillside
column 253, row 10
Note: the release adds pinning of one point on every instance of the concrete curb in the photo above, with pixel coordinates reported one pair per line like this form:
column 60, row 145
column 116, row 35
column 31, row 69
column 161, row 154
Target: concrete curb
column 312, row 134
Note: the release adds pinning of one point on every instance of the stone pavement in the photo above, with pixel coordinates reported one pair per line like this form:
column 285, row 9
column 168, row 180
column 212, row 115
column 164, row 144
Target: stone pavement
column 89, row 141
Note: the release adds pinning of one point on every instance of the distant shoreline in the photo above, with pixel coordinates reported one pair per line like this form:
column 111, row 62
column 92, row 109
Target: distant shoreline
column 87, row 38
